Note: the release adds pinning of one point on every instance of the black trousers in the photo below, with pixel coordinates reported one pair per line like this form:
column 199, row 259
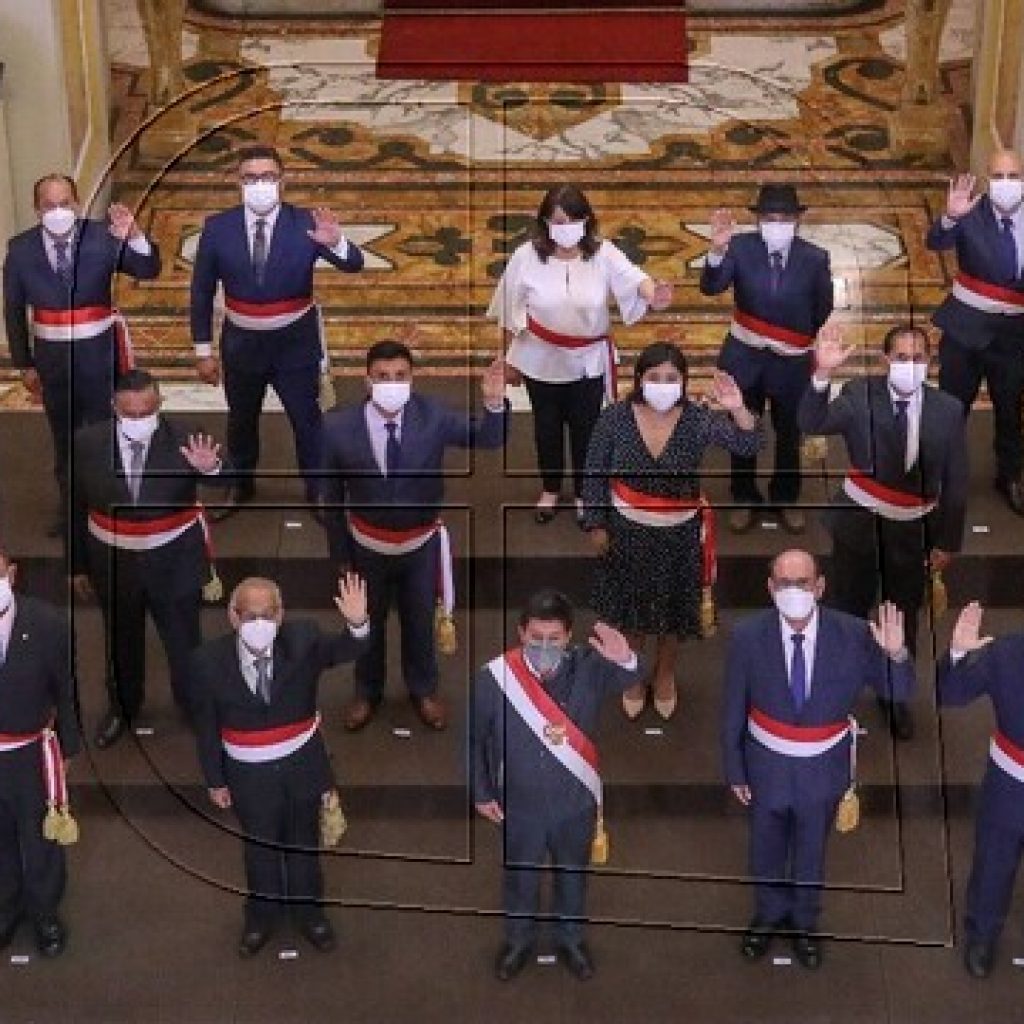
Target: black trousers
column 574, row 406
column 279, row 810
column 961, row 371
column 125, row 600
column 529, row 842
column 409, row 582
column 893, row 567
column 32, row 869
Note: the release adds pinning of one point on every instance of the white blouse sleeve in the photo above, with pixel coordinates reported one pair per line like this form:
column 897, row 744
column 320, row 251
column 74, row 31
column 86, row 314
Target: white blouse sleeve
column 508, row 304
column 624, row 279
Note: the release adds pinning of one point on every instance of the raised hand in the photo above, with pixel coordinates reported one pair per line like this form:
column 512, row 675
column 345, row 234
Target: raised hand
column 351, row 599
column 661, row 297
column 722, row 227
column 202, row 453
column 967, row 631
column 610, row 643
column 327, row 230
column 492, row 383
column 959, row 199
column 726, row 392
column 888, row 631
column 831, row 350
column 122, row 222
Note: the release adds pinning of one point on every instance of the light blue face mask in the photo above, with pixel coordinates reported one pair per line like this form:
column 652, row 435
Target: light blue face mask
column 544, row 657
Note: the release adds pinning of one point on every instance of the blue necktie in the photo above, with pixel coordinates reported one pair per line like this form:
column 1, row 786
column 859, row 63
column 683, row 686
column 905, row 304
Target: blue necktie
column 392, row 448
column 1008, row 248
column 798, row 673
column 259, row 250
column 776, row 258
column 61, row 263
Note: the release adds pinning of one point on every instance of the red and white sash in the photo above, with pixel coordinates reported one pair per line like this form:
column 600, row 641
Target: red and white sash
column 266, row 316
column 1007, row 755
column 887, row 502
column 256, row 746
column 85, row 322
column 563, row 739
column 52, row 759
column 609, row 354
column 758, row 333
column 988, row 298
column 386, row 541
column 144, row 534
column 795, row 740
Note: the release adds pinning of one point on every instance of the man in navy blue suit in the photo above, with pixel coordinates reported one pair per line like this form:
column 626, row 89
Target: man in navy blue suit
column 793, row 675
column 383, row 488
column 982, row 318
column 782, row 286
column 263, row 252
column 975, row 666
column 72, row 347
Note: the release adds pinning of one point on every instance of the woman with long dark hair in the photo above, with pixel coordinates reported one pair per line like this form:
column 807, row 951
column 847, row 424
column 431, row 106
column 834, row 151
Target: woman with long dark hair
column 552, row 304
column 644, row 511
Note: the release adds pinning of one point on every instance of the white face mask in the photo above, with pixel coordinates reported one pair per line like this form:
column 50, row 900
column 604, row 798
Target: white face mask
column 794, row 603
column 1006, row 193
column 6, row 594
column 905, row 378
column 567, row 236
column 59, row 220
column 139, row 428
column 777, row 234
column 261, row 196
column 391, row 395
column 258, row 634
column 661, row 395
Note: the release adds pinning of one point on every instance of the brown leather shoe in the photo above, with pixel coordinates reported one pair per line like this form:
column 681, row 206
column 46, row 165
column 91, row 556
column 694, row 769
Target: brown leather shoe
column 792, row 519
column 357, row 714
column 742, row 520
column 432, row 711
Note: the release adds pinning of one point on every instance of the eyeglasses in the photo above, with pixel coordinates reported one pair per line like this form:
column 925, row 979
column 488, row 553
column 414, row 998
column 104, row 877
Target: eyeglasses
column 271, row 177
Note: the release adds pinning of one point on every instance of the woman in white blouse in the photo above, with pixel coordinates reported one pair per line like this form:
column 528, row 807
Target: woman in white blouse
column 552, row 304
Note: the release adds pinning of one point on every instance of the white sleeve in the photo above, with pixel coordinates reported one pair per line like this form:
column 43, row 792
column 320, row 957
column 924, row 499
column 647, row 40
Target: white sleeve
column 508, row 304
column 624, row 279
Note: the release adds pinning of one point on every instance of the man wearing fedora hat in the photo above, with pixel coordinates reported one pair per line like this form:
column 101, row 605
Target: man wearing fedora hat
column 782, row 289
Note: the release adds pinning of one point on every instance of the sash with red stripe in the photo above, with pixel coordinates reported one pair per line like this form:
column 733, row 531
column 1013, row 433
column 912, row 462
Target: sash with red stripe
column 888, row 502
column 55, row 781
column 1007, row 755
column 987, row 297
column 82, row 323
column 570, row 341
column 795, row 740
column 759, row 333
column 266, row 316
column 258, row 746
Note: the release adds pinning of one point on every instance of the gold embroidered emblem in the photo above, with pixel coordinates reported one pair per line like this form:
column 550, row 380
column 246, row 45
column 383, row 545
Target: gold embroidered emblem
column 554, row 734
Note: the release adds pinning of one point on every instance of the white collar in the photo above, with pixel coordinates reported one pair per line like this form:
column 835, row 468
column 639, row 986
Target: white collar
column 809, row 632
column 379, row 421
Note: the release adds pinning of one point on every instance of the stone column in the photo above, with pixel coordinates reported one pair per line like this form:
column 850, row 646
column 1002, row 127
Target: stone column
column 998, row 80
column 162, row 22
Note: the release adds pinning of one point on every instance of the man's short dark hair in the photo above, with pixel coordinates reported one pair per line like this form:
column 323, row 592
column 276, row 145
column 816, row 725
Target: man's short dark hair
column 53, row 176
column 388, row 349
column 260, row 152
column 548, row 605
column 136, row 380
column 906, row 328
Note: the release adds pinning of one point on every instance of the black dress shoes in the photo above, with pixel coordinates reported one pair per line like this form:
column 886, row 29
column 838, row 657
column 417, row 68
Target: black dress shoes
column 807, row 951
column 979, row 958
column 254, row 938
column 756, row 941
column 111, row 729
column 1013, row 492
column 319, row 934
column 543, row 514
column 577, row 960
column 51, row 938
column 511, row 960
column 239, row 495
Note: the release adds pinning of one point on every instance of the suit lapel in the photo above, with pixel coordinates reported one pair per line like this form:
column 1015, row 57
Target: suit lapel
column 776, row 656
column 282, row 226
column 159, row 461
column 822, row 647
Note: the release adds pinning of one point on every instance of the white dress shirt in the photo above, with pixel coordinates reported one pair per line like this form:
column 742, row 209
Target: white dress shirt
column 914, row 402
column 714, row 259
column 377, row 427
column 810, row 633
column 6, row 625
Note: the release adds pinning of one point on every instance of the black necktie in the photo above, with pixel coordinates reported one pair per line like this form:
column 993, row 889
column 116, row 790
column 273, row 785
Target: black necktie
column 263, row 679
column 776, row 258
column 259, row 250
column 135, row 468
column 1008, row 246
column 900, row 406
column 61, row 263
column 392, row 449
column 798, row 672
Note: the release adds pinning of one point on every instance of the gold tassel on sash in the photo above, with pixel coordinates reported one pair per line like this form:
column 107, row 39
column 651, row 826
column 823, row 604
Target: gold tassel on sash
column 939, row 594
column 848, row 812
column 708, row 613
column 333, row 823
column 599, row 848
column 814, row 450
column 444, row 630
column 213, row 588
column 327, row 399
column 59, row 826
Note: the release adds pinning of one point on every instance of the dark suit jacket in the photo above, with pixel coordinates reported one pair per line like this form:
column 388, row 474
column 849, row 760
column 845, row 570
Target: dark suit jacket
column 37, row 678
column 803, row 300
column 29, row 280
column 975, row 238
column 862, row 414
column 223, row 258
column 995, row 671
column 846, row 660
column 169, row 485
column 411, row 496
column 223, row 700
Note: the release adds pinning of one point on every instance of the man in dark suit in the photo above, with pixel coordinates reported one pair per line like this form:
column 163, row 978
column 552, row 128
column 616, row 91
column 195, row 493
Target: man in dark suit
column 261, row 751
column 71, row 347
column 982, row 319
column 139, row 541
column 535, row 768
column 901, row 507
column 384, row 462
column 782, row 286
column 793, row 675
column 976, row 666
column 37, row 710
column 264, row 252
